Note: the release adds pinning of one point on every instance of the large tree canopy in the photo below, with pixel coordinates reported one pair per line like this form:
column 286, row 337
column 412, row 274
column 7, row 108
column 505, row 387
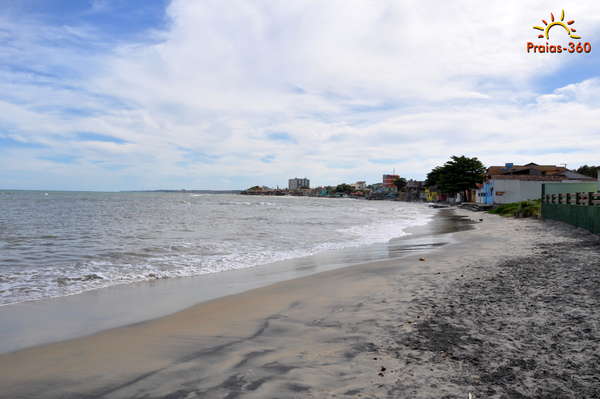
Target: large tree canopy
column 591, row 171
column 344, row 188
column 457, row 175
column 400, row 183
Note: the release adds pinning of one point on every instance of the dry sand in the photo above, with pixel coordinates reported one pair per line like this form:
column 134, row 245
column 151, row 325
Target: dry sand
column 509, row 311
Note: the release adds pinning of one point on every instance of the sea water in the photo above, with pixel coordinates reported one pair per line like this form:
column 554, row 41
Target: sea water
column 63, row 243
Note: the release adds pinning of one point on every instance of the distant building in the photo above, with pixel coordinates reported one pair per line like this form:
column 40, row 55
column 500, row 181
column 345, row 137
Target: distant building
column 360, row 185
column 377, row 187
column 433, row 194
column 297, row 183
column 414, row 190
column 388, row 180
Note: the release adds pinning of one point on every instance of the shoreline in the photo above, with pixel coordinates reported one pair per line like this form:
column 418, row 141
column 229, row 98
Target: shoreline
column 34, row 323
column 392, row 328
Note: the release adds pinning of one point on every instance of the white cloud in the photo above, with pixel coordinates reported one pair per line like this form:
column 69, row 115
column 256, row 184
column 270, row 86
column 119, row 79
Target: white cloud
column 352, row 81
column 586, row 92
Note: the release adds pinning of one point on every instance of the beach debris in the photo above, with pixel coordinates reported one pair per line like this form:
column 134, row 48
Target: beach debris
column 422, row 259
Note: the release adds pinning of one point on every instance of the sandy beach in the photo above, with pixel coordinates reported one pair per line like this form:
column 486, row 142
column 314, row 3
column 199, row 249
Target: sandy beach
column 507, row 310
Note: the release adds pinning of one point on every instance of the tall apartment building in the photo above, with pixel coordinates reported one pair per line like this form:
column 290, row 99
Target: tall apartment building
column 296, row 183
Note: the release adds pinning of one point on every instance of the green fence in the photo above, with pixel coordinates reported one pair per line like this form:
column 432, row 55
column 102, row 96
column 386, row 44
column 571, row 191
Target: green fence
column 587, row 217
column 579, row 209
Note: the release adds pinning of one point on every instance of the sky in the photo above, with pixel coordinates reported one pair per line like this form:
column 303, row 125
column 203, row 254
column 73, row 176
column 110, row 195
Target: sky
column 211, row 94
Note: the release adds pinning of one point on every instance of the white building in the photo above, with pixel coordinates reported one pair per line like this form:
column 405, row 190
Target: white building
column 515, row 183
column 507, row 189
column 297, row 183
column 360, row 185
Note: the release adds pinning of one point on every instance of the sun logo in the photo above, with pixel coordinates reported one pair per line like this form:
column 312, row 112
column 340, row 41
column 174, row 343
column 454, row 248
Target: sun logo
column 554, row 23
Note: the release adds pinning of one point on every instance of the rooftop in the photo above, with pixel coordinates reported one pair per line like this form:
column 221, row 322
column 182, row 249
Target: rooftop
column 544, row 169
column 557, row 177
column 533, row 171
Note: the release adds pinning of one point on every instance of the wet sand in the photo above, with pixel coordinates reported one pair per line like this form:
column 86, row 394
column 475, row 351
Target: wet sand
column 509, row 310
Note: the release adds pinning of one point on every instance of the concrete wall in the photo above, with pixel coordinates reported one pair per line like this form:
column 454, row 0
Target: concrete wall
column 507, row 191
column 521, row 190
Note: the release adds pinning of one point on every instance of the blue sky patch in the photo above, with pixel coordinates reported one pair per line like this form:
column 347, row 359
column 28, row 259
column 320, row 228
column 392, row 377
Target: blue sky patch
column 8, row 142
column 268, row 158
column 586, row 67
column 64, row 159
column 117, row 18
column 89, row 136
column 281, row 136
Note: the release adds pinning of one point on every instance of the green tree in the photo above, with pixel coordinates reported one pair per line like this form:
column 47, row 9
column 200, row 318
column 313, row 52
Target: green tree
column 433, row 177
column 344, row 188
column 457, row 175
column 591, row 171
column 400, row 183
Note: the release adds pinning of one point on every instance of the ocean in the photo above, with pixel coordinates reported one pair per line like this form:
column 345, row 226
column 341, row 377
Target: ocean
column 56, row 244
